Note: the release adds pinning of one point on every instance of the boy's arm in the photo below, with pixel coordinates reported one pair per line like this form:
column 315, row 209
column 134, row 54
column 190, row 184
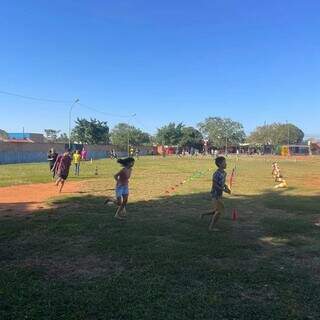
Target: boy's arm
column 116, row 176
column 55, row 164
column 226, row 189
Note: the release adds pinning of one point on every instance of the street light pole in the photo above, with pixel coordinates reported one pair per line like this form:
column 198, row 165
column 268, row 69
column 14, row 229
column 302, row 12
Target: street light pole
column 73, row 104
column 226, row 151
column 288, row 138
column 133, row 115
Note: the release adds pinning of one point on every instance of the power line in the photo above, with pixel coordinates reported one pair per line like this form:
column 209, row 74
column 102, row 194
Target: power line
column 103, row 112
column 33, row 98
column 145, row 127
column 18, row 95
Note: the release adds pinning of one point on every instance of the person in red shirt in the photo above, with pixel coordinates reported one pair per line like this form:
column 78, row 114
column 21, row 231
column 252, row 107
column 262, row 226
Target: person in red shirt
column 61, row 168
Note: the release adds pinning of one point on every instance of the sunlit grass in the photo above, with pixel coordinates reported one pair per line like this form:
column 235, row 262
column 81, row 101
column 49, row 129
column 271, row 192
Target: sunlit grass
column 77, row 262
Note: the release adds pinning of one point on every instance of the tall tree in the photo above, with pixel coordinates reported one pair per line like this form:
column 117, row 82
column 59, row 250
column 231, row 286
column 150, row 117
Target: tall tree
column 191, row 138
column 220, row 131
column 276, row 133
column 51, row 134
column 91, row 132
column 3, row 134
column 123, row 133
column 170, row 134
column 63, row 137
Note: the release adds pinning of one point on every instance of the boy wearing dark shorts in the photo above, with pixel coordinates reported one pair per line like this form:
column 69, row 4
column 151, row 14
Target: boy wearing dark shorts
column 218, row 187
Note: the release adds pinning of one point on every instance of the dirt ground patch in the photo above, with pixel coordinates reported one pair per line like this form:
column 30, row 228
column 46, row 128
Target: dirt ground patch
column 21, row 199
column 313, row 182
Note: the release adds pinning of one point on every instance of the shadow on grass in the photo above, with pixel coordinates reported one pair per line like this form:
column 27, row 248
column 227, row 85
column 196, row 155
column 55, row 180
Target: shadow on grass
column 78, row 262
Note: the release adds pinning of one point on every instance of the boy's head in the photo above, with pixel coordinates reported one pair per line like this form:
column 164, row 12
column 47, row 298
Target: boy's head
column 127, row 162
column 221, row 162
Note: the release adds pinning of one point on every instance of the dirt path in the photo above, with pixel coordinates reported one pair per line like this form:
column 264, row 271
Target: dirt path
column 21, row 199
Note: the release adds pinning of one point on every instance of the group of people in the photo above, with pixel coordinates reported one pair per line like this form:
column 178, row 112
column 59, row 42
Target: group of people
column 60, row 165
column 219, row 186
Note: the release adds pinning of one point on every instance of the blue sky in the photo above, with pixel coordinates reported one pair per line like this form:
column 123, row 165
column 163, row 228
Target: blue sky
column 181, row 61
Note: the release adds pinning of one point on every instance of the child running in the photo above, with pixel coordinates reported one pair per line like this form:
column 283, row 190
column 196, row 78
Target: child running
column 61, row 167
column 122, row 186
column 275, row 170
column 218, row 187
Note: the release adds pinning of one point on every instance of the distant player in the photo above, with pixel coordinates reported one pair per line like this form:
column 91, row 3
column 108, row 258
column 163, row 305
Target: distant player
column 61, row 167
column 275, row 171
column 218, row 187
column 52, row 157
column 84, row 154
column 282, row 184
column 122, row 186
column 76, row 161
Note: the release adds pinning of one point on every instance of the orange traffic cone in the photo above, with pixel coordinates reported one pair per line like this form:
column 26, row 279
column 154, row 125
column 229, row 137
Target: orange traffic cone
column 234, row 214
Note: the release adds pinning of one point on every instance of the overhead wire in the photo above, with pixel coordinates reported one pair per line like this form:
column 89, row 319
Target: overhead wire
column 22, row 96
column 103, row 112
column 33, row 98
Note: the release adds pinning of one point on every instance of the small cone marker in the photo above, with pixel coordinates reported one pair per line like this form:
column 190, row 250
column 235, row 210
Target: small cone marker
column 96, row 171
column 234, row 214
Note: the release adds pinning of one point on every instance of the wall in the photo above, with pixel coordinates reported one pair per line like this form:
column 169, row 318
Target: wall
column 37, row 152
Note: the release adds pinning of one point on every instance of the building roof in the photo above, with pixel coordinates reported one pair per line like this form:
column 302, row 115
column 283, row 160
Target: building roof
column 18, row 140
column 18, row 135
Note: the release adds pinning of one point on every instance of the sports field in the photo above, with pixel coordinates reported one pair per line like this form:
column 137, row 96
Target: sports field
column 71, row 259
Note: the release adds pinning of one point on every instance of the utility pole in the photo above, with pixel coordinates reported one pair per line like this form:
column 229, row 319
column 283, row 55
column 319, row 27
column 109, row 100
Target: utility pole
column 133, row 115
column 288, row 138
column 226, row 151
column 73, row 104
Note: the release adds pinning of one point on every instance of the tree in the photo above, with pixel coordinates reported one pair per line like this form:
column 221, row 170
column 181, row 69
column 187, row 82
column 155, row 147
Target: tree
column 191, row 138
column 63, row 138
column 276, row 133
column 51, row 134
column 3, row 134
column 123, row 133
column 170, row 134
column 91, row 132
column 220, row 131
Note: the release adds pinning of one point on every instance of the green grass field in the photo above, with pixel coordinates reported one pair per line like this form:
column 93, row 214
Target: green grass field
column 77, row 262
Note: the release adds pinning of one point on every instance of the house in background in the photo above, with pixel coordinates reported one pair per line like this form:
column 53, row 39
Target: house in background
column 24, row 137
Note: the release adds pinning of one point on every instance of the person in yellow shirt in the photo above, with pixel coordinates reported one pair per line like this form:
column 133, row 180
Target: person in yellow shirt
column 76, row 161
